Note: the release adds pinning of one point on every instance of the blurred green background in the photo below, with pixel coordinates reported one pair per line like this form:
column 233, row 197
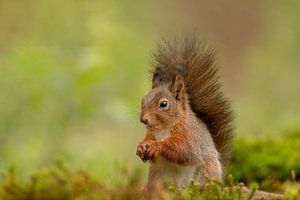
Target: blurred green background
column 73, row 72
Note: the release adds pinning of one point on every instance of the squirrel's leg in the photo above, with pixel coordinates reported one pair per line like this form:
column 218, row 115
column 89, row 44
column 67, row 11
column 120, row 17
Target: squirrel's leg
column 211, row 169
column 155, row 185
column 176, row 149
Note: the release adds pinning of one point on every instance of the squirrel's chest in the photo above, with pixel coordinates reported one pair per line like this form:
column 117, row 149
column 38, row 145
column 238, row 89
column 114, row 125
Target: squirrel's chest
column 161, row 135
column 168, row 171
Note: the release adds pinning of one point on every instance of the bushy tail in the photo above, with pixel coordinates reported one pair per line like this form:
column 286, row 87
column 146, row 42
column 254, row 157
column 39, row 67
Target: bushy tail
column 194, row 60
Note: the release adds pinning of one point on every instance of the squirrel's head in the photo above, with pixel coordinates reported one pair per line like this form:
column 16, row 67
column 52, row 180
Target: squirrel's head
column 164, row 105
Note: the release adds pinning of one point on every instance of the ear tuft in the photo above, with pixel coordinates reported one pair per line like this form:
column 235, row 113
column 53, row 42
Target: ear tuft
column 177, row 87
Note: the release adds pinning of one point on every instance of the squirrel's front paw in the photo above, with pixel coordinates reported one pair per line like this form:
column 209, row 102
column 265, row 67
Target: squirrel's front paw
column 152, row 150
column 141, row 149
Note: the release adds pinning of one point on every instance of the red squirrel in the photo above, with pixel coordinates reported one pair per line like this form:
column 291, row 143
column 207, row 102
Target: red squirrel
column 187, row 118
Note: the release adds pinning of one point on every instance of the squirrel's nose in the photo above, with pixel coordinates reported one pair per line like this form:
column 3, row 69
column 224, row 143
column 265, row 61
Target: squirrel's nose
column 144, row 120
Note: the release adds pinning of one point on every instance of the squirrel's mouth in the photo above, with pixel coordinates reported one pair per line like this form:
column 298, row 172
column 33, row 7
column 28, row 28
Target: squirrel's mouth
column 149, row 124
column 152, row 126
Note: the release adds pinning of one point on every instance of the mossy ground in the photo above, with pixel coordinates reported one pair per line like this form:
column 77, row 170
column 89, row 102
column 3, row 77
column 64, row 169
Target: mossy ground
column 265, row 164
column 61, row 182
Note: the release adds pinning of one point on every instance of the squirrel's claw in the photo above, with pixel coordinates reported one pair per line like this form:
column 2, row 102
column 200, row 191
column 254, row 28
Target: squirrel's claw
column 140, row 152
column 141, row 149
column 151, row 151
column 147, row 150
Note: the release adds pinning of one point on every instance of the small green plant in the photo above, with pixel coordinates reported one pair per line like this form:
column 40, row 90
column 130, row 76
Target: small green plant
column 264, row 164
column 267, row 161
column 62, row 182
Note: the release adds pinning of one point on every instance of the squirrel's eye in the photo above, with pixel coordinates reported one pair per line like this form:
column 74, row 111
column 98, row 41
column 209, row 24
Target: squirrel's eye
column 163, row 104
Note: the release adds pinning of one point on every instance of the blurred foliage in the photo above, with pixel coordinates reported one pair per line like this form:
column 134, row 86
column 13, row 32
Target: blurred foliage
column 262, row 164
column 61, row 182
column 267, row 160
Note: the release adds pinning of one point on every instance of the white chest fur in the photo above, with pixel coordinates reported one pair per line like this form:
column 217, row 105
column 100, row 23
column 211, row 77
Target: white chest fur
column 161, row 135
column 168, row 171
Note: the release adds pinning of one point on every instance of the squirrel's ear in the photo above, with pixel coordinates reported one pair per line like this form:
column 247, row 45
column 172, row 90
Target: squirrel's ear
column 157, row 76
column 177, row 87
column 155, row 82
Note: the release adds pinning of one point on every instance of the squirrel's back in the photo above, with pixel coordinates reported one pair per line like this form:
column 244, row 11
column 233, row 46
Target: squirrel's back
column 194, row 61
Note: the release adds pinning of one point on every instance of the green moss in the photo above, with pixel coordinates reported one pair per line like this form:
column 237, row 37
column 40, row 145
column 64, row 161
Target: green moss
column 261, row 163
column 266, row 159
column 61, row 182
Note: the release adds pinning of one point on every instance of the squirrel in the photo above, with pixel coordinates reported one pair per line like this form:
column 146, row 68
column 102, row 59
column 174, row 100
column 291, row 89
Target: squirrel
column 187, row 118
